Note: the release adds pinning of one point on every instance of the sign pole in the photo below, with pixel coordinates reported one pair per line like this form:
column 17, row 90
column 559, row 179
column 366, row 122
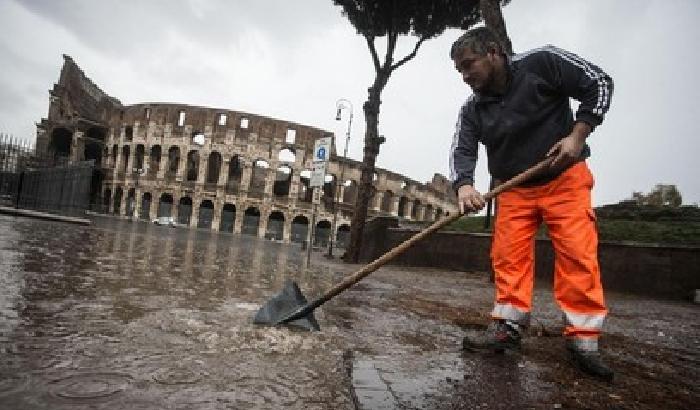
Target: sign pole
column 310, row 235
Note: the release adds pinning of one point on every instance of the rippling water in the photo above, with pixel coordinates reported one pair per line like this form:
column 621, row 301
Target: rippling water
column 128, row 315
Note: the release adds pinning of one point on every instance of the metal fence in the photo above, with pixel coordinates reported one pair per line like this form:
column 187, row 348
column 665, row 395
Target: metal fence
column 49, row 184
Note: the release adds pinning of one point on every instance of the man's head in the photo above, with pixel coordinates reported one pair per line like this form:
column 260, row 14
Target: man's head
column 478, row 56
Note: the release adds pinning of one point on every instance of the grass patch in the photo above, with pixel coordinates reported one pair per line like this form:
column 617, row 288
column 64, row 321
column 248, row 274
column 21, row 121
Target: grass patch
column 677, row 233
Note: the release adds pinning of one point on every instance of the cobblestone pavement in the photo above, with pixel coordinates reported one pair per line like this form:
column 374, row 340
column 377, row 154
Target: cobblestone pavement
column 122, row 315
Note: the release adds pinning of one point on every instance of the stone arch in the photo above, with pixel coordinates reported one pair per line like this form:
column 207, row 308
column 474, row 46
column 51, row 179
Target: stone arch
column 145, row 212
column 213, row 167
column 287, row 155
column 387, row 201
column 403, row 203
column 206, row 214
column 416, row 208
column 106, row 200
column 350, row 191
column 235, row 172
column 258, row 178
column 60, row 143
column 283, row 181
column 329, row 188
column 322, row 233
column 428, row 213
column 94, row 145
column 275, row 226
column 115, row 152
column 118, row 193
column 173, row 160
column 305, row 193
column 184, row 211
column 165, row 205
column 138, row 159
column 192, row 168
column 154, row 160
column 131, row 202
column 251, row 221
column 342, row 237
column 300, row 228
column 228, row 218
column 126, row 152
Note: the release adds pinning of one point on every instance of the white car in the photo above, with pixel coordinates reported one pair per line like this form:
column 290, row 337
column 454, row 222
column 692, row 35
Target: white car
column 165, row 220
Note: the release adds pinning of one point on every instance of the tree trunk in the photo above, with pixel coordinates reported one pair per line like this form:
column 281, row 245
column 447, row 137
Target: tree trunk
column 366, row 188
column 493, row 18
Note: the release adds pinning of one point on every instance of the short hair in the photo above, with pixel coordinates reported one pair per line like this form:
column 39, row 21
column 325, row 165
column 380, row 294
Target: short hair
column 478, row 40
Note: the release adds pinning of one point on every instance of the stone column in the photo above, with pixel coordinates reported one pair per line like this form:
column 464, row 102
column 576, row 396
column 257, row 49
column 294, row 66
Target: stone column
column 160, row 174
column 378, row 196
column 238, row 222
column 194, row 218
column 77, row 146
column 137, row 204
column 175, row 210
column 181, row 165
column 130, row 163
column 409, row 209
column 222, row 175
column 270, row 175
column 117, row 163
column 287, row 234
column 262, row 226
column 395, row 205
column 294, row 186
column 155, row 201
column 246, row 174
column 203, row 165
column 216, row 218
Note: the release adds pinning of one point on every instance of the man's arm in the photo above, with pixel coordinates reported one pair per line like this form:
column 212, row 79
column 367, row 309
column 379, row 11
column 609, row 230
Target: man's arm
column 463, row 156
column 585, row 82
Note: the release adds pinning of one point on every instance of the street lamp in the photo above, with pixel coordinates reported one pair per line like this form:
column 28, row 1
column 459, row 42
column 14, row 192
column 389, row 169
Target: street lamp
column 340, row 105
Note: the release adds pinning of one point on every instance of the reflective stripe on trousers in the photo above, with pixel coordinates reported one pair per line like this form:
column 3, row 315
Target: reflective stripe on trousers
column 511, row 313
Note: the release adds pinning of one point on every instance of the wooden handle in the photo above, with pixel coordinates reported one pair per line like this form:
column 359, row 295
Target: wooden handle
column 401, row 248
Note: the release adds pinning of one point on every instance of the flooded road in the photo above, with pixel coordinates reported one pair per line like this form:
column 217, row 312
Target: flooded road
column 122, row 315
column 131, row 316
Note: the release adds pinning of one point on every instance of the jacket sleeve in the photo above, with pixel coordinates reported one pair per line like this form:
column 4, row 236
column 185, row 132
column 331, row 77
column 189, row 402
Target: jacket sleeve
column 581, row 80
column 465, row 147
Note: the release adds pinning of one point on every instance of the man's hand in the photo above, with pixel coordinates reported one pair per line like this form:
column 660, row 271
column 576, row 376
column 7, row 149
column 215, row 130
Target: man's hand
column 469, row 199
column 568, row 149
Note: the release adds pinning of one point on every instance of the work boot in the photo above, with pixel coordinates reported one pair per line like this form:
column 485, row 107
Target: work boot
column 590, row 362
column 499, row 336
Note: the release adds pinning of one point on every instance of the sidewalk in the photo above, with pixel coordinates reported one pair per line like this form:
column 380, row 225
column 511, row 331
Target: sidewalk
column 405, row 325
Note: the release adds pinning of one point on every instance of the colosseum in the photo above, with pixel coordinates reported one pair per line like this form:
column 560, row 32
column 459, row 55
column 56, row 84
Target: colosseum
column 217, row 169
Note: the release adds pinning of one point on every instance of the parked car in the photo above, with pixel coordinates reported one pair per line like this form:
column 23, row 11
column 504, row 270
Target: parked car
column 165, row 220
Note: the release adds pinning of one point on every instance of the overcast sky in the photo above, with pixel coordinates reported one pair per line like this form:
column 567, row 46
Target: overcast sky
column 294, row 59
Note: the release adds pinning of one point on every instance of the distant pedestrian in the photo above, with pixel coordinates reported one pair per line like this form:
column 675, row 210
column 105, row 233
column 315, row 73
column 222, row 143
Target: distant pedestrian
column 520, row 112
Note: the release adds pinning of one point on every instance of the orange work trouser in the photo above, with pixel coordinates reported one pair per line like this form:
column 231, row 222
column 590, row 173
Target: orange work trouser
column 564, row 205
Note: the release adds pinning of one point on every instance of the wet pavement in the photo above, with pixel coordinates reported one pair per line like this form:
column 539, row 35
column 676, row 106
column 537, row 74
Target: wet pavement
column 122, row 315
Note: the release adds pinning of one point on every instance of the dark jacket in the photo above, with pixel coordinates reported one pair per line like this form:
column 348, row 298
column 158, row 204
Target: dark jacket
column 520, row 126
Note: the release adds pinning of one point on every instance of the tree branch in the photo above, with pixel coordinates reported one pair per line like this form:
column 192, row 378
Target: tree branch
column 373, row 52
column 390, row 47
column 411, row 55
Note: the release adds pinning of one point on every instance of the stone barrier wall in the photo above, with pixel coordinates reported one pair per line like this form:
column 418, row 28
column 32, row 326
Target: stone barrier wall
column 668, row 272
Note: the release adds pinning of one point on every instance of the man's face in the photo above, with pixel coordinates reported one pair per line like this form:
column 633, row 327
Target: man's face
column 476, row 69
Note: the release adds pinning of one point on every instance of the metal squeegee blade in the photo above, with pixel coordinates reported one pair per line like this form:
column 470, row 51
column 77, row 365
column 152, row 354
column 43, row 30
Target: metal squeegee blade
column 283, row 304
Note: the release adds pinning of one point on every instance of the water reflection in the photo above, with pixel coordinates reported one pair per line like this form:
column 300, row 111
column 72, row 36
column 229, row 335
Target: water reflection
column 133, row 315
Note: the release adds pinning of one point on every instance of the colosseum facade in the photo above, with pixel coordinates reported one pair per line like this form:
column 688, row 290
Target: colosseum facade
column 217, row 169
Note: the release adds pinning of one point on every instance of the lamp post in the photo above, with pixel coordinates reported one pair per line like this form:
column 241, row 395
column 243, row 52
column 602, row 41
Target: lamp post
column 340, row 105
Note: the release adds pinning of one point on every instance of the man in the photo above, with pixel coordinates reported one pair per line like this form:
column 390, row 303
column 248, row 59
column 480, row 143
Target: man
column 520, row 112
